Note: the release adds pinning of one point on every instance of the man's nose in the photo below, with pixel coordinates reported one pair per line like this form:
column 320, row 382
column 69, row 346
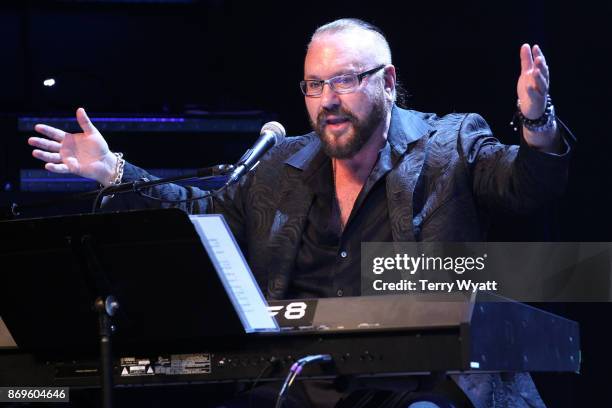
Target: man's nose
column 329, row 98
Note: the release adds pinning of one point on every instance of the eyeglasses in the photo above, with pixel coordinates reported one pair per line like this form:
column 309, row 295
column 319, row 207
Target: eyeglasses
column 341, row 84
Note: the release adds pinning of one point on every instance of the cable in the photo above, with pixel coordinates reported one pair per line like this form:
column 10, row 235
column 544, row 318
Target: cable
column 294, row 371
column 163, row 200
column 271, row 363
column 187, row 200
column 99, row 197
column 137, row 190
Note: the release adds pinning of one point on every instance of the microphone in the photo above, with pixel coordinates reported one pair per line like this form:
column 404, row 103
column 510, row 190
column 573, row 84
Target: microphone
column 272, row 133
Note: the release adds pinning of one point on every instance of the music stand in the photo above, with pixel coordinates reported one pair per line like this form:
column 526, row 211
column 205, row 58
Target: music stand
column 153, row 263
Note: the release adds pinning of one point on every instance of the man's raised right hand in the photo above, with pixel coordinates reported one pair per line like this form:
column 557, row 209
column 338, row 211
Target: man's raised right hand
column 84, row 154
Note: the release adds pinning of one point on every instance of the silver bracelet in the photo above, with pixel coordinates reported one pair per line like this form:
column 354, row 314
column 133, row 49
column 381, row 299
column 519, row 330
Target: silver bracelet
column 119, row 166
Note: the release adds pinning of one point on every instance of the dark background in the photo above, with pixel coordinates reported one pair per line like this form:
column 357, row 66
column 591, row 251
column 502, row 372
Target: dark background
column 163, row 57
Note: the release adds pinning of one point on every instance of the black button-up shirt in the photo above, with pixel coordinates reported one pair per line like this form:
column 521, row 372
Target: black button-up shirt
column 328, row 260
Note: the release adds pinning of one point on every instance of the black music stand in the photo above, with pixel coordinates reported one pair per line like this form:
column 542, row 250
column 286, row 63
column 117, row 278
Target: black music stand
column 145, row 273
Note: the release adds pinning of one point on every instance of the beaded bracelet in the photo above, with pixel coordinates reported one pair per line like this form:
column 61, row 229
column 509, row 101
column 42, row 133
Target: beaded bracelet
column 543, row 123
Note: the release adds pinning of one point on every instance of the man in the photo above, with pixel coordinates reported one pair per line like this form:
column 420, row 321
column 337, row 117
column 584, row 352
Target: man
column 370, row 171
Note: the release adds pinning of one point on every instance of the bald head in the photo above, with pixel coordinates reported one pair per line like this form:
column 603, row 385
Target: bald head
column 358, row 35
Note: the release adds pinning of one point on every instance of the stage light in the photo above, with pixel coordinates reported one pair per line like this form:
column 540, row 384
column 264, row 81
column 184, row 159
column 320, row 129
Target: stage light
column 49, row 82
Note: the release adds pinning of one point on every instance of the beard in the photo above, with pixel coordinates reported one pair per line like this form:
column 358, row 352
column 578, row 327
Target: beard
column 356, row 136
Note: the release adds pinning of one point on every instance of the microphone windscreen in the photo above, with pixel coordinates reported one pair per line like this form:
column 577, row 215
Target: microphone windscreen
column 277, row 129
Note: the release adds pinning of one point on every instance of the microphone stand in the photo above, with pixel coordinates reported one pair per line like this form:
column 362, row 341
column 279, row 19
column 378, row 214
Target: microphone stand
column 14, row 210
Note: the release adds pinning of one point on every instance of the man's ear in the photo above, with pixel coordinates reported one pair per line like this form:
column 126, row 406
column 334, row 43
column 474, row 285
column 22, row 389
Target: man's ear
column 390, row 80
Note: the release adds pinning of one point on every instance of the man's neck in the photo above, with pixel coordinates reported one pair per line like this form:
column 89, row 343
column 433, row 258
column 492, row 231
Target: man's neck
column 358, row 167
column 350, row 174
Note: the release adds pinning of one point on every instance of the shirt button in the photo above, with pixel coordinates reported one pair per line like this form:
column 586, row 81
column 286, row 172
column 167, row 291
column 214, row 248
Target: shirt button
column 343, row 254
column 340, row 292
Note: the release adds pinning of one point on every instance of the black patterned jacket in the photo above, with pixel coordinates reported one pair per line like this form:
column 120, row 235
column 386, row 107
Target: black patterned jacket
column 449, row 173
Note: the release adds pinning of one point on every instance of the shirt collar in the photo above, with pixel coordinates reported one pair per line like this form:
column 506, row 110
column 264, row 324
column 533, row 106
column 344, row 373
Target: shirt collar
column 406, row 127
